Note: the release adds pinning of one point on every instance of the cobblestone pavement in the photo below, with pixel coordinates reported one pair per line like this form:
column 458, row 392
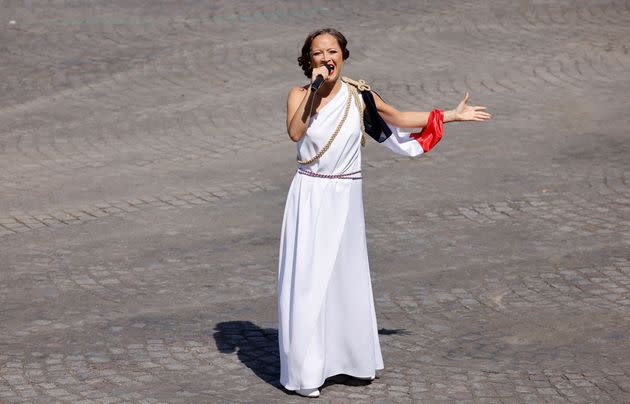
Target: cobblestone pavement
column 144, row 167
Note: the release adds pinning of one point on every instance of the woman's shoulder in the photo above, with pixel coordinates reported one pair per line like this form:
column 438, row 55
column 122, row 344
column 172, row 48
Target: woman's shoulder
column 360, row 85
column 296, row 92
column 298, row 89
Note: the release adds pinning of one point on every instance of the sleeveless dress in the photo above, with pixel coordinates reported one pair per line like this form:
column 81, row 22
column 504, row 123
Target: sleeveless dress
column 326, row 316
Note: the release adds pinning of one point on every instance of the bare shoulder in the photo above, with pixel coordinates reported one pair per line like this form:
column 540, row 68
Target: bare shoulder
column 377, row 96
column 295, row 91
column 378, row 100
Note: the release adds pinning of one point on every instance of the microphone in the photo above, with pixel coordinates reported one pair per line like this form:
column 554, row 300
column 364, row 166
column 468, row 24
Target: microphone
column 320, row 79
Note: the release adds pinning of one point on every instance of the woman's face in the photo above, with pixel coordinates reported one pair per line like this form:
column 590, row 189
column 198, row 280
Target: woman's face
column 325, row 50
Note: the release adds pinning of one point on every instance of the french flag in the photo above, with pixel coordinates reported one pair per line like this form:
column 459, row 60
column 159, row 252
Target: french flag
column 406, row 143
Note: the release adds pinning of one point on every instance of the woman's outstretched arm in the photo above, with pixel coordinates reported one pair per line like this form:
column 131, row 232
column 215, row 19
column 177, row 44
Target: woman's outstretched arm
column 412, row 119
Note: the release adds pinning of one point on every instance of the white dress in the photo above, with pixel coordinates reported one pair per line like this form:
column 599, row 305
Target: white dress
column 326, row 317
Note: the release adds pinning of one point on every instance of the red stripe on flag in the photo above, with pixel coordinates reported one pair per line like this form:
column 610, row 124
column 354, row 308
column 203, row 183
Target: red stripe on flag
column 431, row 134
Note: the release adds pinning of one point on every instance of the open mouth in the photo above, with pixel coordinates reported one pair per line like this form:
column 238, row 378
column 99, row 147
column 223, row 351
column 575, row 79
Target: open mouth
column 331, row 70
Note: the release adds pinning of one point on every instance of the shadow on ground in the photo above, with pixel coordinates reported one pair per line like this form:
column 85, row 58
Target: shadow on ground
column 257, row 348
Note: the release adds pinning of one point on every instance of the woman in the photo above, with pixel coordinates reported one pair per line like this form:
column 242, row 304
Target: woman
column 326, row 316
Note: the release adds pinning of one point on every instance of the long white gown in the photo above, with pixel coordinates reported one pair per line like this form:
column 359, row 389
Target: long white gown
column 326, row 317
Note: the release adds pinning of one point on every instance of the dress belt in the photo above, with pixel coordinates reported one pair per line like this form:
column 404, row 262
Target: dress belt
column 348, row 176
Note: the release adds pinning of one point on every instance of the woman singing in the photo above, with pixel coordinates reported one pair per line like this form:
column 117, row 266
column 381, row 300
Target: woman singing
column 326, row 316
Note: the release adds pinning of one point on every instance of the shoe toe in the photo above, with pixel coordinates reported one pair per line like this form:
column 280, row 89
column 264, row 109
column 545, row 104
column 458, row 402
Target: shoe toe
column 308, row 392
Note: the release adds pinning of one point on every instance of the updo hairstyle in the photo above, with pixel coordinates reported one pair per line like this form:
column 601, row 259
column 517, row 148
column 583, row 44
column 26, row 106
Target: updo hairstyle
column 305, row 59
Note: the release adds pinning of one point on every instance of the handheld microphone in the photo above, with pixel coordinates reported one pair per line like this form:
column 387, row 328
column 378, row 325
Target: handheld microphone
column 320, row 79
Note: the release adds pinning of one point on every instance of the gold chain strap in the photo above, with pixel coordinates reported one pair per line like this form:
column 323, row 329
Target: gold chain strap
column 330, row 140
column 354, row 85
column 359, row 104
column 361, row 85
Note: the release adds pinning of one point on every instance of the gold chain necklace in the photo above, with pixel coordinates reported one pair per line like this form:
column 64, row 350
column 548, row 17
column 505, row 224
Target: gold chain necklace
column 330, row 140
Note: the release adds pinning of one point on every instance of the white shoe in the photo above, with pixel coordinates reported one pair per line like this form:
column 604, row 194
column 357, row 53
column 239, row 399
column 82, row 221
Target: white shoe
column 365, row 378
column 308, row 392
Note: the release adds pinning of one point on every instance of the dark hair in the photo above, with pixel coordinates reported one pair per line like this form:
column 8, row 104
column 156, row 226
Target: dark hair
column 305, row 59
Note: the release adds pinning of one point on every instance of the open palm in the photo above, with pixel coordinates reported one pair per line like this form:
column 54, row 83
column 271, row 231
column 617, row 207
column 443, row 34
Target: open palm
column 465, row 112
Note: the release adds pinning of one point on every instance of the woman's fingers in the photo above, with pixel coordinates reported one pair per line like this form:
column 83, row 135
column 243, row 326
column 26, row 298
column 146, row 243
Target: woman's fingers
column 478, row 116
column 474, row 112
column 319, row 70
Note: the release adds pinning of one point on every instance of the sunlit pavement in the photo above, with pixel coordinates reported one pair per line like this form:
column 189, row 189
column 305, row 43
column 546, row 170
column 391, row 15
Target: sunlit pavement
column 144, row 166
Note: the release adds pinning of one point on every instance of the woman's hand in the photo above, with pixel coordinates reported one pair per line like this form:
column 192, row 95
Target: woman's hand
column 465, row 112
column 323, row 70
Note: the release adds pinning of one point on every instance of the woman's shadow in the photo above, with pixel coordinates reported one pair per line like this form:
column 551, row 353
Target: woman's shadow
column 257, row 348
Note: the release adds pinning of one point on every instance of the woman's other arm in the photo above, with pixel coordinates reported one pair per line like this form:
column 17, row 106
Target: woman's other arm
column 412, row 119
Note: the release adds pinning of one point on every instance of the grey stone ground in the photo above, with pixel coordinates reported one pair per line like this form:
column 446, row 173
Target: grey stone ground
column 144, row 167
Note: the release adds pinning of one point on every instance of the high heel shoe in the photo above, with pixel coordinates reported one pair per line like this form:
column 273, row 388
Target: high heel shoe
column 308, row 392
